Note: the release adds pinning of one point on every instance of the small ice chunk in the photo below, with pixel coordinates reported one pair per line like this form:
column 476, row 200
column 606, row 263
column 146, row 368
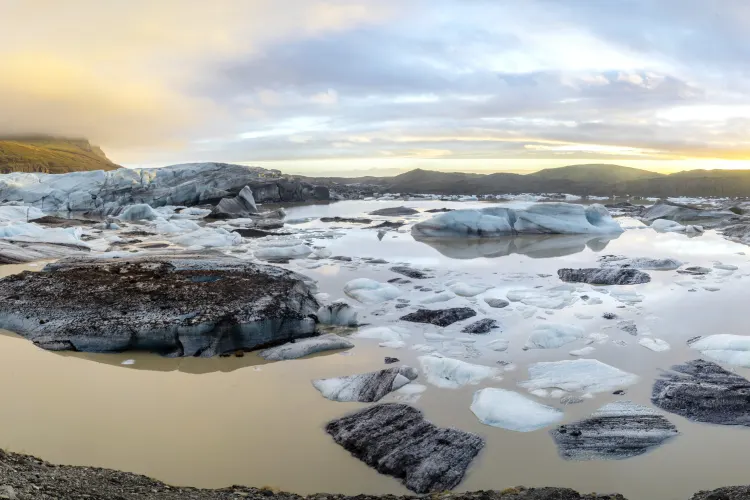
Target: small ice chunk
column 339, row 313
column 410, row 393
column 656, row 345
column 667, row 226
column 393, row 344
column 434, row 298
column 449, row 373
column 583, row 351
column 435, row 337
column 365, row 387
column 579, row 375
column 626, row 296
column 384, row 333
column 423, row 348
column 296, row 251
column 550, row 298
column 552, row 335
column 583, row 316
column 725, row 267
column 370, row 291
column 138, row 212
column 597, row 338
column 128, row 362
column 467, row 290
column 499, row 345
column 512, row 411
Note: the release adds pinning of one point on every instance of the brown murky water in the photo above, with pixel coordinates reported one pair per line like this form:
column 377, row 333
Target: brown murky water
column 217, row 422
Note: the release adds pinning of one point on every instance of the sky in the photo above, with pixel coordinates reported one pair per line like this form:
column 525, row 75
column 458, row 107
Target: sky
column 347, row 87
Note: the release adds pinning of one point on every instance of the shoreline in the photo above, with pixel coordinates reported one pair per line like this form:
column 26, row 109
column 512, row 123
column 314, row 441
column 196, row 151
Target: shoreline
column 27, row 477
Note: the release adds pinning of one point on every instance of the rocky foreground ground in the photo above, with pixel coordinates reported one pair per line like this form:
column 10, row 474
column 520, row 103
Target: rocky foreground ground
column 25, row 477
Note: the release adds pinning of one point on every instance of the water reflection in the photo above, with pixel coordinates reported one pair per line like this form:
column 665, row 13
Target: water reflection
column 534, row 246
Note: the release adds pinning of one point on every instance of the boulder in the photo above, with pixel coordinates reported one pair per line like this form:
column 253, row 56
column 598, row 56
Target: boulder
column 395, row 439
column 615, row 431
column 604, row 276
column 440, row 317
column 394, row 211
column 241, row 206
column 171, row 304
column 703, row 391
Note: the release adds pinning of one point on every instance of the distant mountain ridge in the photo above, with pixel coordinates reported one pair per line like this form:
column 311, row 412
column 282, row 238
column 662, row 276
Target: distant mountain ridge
column 583, row 180
column 52, row 155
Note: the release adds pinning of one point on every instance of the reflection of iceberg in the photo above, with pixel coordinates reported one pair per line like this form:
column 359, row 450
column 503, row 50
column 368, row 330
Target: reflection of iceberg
column 539, row 246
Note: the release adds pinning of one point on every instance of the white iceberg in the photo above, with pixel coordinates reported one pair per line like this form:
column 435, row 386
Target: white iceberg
column 499, row 345
column 339, row 313
column 512, row 411
column 138, row 212
column 557, row 297
column 305, row 347
column 19, row 213
column 583, row 351
column 207, row 237
column 467, row 290
column 434, row 298
column 725, row 348
column 579, row 375
column 552, row 335
column 282, row 250
column 384, row 333
column 449, row 373
column 370, row 291
column 541, row 218
column 667, row 226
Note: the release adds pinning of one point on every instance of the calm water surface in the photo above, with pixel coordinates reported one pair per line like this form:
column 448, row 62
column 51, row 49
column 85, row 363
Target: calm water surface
column 217, row 422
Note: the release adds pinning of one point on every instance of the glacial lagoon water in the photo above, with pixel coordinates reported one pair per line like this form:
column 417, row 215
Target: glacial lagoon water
column 222, row 421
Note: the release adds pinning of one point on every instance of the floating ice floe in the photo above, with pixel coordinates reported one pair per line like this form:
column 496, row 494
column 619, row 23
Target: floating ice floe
column 725, row 267
column 365, row 387
column 656, row 345
column 552, row 335
column 626, row 296
column 556, row 297
column 393, row 344
column 597, row 338
column 370, row 291
column 645, row 263
column 175, row 226
column 726, row 348
column 19, row 213
column 467, row 290
column 282, row 250
column 579, row 375
column 410, row 393
column 339, row 313
column 138, row 212
column 435, row 298
column 208, row 238
column 542, row 218
column 512, row 411
column 384, row 333
column 499, row 345
column 449, row 373
column 667, row 226
column 305, row 347
column 583, row 351
column 30, row 232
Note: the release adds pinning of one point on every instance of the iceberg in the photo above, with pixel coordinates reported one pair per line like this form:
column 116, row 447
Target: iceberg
column 509, row 410
column 305, row 347
column 19, row 213
column 725, row 348
column 369, row 291
column 138, row 212
column 656, row 345
column 540, row 218
column 384, row 333
column 551, row 336
column 579, row 375
column 339, row 313
column 365, row 387
column 208, row 238
column 449, row 373
column 557, row 297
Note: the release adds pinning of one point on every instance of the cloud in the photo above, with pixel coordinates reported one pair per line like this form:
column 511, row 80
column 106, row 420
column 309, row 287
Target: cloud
column 297, row 80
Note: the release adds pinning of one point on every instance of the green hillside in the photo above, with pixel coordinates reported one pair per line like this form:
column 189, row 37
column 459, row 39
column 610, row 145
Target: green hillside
column 51, row 155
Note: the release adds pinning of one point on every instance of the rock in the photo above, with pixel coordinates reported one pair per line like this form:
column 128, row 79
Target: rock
column 683, row 213
column 578, row 375
column 370, row 291
column 541, row 218
column 727, row 493
column 440, row 317
column 174, row 305
column 449, row 373
column 365, row 387
column 509, row 410
column 496, row 303
column 609, row 315
column 615, row 431
column 411, row 273
column 105, row 193
column 341, row 258
column 484, row 325
column 339, row 313
column 604, row 276
column 305, row 347
column 725, row 348
column 348, row 220
column 644, row 263
column 703, row 391
column 138, row 212
column 628, row 326
column 251, row 232
column 394, row 211
column 395, row 439
column 438, row 210
column 694, row 270
column 241, row 206
column 389, row 360
column 551, row 336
